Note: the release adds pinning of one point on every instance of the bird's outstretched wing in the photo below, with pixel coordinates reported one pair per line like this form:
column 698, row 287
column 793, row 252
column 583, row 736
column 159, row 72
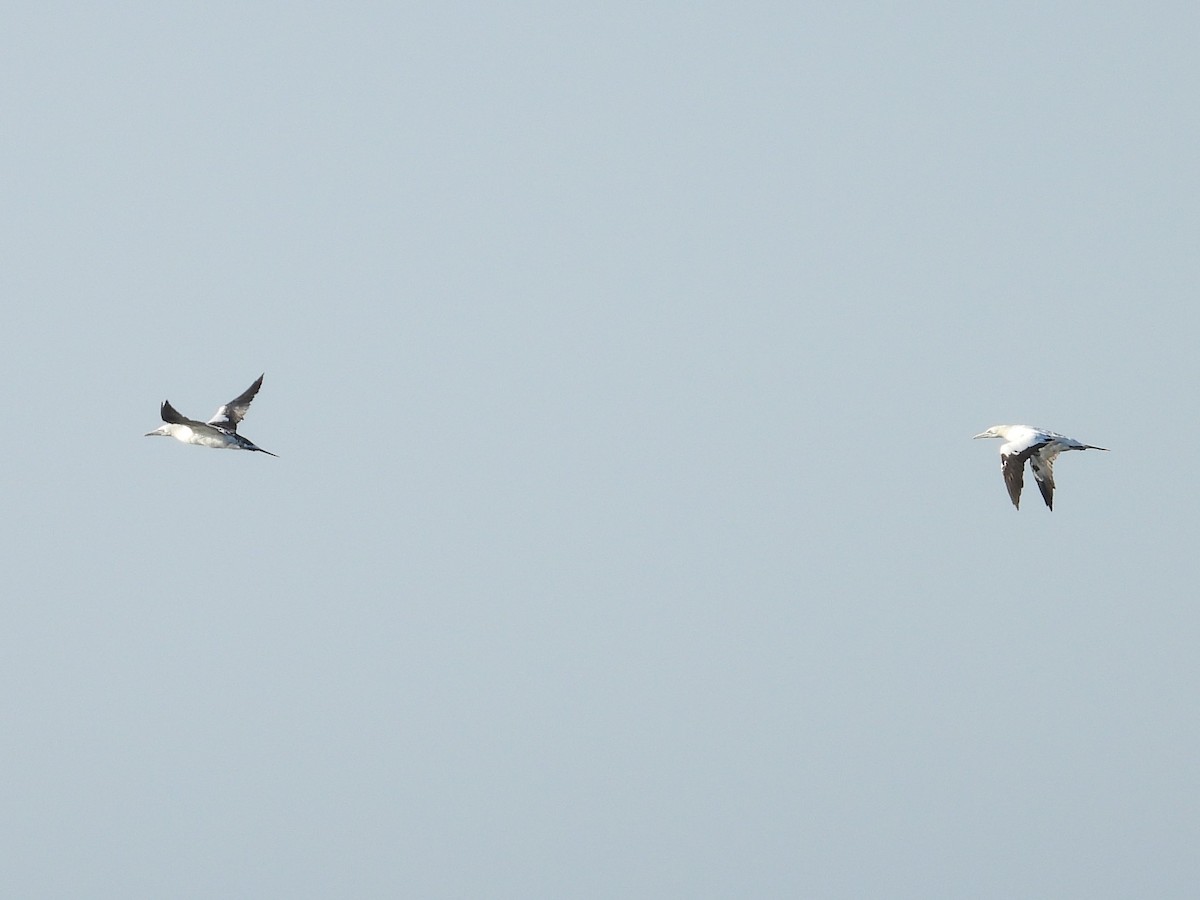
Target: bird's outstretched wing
column 1042, row 465
column 173, row 416
column 234, row 411
column 1013, row 467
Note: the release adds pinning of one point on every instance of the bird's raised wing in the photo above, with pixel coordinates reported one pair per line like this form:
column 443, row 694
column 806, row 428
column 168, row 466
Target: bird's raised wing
column 171, row 415
column 234, row 411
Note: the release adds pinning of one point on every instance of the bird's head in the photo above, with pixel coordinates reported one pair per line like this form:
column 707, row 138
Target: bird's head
column 996, row 431
column 161, row 431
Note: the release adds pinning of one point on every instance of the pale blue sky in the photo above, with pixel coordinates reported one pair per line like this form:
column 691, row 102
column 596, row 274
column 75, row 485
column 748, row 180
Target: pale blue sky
column 627, row 538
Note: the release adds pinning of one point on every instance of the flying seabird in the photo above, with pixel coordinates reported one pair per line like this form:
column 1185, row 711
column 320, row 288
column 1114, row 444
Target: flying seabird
column 1038, row 446
column 220, row 431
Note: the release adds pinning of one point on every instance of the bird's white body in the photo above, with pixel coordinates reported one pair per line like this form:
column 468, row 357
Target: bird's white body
column 205, row 438
column 1037, row 445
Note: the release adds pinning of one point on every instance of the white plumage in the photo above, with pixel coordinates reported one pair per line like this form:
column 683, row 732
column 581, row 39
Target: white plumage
column 1040, row 447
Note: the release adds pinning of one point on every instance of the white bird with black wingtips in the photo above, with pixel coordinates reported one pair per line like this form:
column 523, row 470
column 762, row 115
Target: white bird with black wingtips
column 220, row 431
column 1040, row 447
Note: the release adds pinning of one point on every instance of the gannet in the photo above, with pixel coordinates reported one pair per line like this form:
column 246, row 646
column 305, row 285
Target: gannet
column 220, row 431
column 1038, row 446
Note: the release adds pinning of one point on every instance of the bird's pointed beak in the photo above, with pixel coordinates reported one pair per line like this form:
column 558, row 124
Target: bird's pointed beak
column 157, row 432
column 978, row 436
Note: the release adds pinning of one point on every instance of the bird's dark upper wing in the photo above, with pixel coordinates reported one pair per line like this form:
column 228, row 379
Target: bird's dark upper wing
column 173, row 416
column 1013, row 467
column 234, row 411
column 1042, row 465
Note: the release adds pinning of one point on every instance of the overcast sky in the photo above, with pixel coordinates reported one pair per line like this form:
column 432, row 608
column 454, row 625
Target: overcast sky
column 627, row 537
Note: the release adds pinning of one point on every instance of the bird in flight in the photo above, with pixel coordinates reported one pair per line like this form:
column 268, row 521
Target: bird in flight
column 1039, row 447
column 220, row 431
